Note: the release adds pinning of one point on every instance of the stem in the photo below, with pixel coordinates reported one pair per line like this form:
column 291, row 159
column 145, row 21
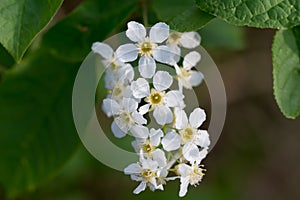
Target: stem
column 170, row 164
column 144, row 5
column 164, row 129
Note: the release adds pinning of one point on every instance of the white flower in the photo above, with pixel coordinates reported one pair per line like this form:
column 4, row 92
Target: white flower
column 189, row 175
column 179, row 136
column 146, row 140
column 124, row 75
column 171, row 141
column 150, row 172
column 187, row 40
column 110, row 59
column 117, row 82
column 126, row 115
column 146, row 47
column 187, row 77
column 190, row 136
column 157, row 98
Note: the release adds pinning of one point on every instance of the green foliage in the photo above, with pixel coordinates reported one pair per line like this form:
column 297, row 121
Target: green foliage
column 94, row 20
column 37, row 131
column 255, row 13
column 6, row 60
column 286, row 72
column 21, row 21
column 181, row 15
column 231, row 37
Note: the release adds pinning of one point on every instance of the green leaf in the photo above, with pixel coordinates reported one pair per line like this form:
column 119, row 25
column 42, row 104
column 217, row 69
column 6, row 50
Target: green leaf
column 255, row 13
column 286, row 71
column 6, row 60
column 181, row 15
column 37, row 132
column 71, row 38
column 22, row 20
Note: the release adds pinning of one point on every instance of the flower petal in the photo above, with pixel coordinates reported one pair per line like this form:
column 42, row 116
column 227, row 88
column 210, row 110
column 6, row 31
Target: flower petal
column 139, row 131
column 149, row 164
column 164, row 54
column 111, row 107
column 197, row 117
column 126, row 73
column 155, row 136
column 190, row 40
column 127, row 93
column 136, row 32
column 140, row 88
column 163, row 115
column 162, row 80
column 159, row 156
column 140, row 188
column 174, row 98
column 144, row 109
column 136, row 178
column 129, row 104
column 191, row 152
column 196, row 78
column 147, row 66
column 191, row 59
column 127, row 52
column 175, row 49
column 103, row 49
column 202, row 138
column 117, row 131
column 171, row 141
column 123, row 124
column 202, row 154
column 184, row 170
column 159, row 32
column 181, row 120
column 184, row 183
column 110, row 79
column 153, row 185
column 133, row 168
column 138, row 118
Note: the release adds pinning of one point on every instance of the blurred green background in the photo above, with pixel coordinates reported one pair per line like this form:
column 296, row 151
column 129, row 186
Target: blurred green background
column 257, row 156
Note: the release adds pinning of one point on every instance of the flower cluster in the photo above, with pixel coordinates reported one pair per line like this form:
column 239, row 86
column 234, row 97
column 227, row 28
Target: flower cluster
column 176, row 149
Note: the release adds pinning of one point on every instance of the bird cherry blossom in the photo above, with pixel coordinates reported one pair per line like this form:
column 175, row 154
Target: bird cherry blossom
column 189, row 175
column 146, row 47
column 117, row 82
column 156, row 98
column 131, row 98
column 146, row 140
column 187, row 77
column 110, row 59
column 148, row 172
column 191, row 136
column 188, row 40
column 126, row 115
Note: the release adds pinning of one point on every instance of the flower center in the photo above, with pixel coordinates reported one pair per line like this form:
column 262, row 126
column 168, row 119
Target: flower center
column 174, row 38
column 147, row 147
column 196, row 176
column 125, row 117
column 184, row 73
column 147, row 173
column 146, row 47
column 114, row 66
column 187, row 134
column 118, row 90
column 155, row 98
